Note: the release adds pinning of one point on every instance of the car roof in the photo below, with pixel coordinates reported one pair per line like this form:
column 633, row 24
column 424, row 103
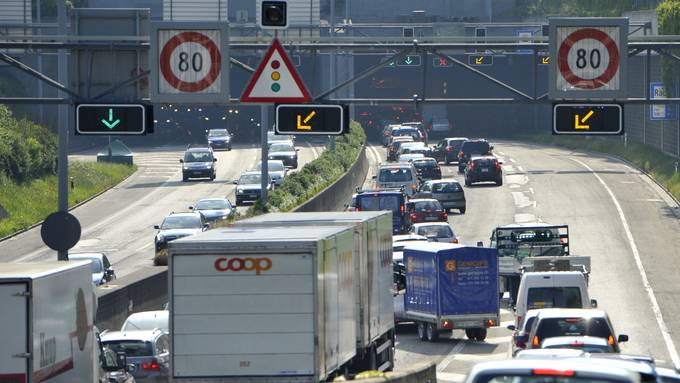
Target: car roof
column 540, row 353
column 528, row 225
column 571, row 313
column 199, row 149
column 380, row 192
column 251, row 172
column 457, row 138
column 476, row 140
column 408, row 237
column 148, row 314
column 217, row 130
column 443, row 181
column 184, row 213
column 72, row 256
column 484, row 157
column 395, row 165
column 424, row 159
column 423, row 200
column 143, row 335
column 213, row 199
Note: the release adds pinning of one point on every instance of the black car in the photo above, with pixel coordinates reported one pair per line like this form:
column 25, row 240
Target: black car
column 427, row 168
column 483, row 169
column 471, row 148
column 176, row 225
column 447, row 149
column 198, row 163
column 214, row 209
column 219, row 139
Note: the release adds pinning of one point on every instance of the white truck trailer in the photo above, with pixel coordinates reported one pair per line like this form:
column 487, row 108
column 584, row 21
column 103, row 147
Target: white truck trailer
column 47, row 311
column 262, row 304
column 374, row 286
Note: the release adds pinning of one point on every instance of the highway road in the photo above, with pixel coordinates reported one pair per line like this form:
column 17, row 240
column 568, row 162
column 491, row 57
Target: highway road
column 616, row 215
column 120, row 221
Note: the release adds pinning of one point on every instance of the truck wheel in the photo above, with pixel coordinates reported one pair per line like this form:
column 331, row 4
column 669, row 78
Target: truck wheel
column 470, row 333
column 431, row 332
column 462, row 210
column 481, row 334
column 421, row 331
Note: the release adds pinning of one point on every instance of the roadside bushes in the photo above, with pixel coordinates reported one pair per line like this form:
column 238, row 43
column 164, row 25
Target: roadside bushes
column 316, row 175
column 27, row 150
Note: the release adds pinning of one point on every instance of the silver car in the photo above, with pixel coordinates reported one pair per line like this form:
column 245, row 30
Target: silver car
column 102, row 271
column 147, row 351
column 277, row 171
column 448, row 192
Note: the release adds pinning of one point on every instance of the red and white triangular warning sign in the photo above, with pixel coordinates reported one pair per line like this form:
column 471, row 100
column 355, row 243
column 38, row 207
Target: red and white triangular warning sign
column 276, row 80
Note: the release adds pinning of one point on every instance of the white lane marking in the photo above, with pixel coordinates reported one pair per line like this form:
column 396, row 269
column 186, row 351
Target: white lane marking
column 452, row 377
column 643, row 274
column 501, row 153
column 316, row 153
column 450, row 356
column 524, row 217
column 521, row 200
column 651, row 200
column 520, row 168
column 531, row 190
column 513, row 160
column 143, row 247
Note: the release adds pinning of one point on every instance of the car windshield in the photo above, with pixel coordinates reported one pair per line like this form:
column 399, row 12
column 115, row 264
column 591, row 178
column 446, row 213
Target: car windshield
column 554, row 297
column 273, row 166
column 426, row 206
column 196, row 156
column 181, row 222
column 282, row 148
column 95, row 263
column 378, row 203
column 213, row 204
column 395, row 175
column 446, row 187
column 217, row 133
column 250, row 179
column 551, row 327
column 425, row 164
column 475, row 147
column 146, row 322
column 439, row 231
column 131, row 348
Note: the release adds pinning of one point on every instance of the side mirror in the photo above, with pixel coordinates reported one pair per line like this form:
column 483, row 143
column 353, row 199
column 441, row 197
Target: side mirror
column 181, row 161
column 480, row 244
column 214, row 159
column 623, row 338
column 157, row 227
column 191, row 208
column 374, row 177
column 235, row 182
column 511, row 327
column 297, row 150
column 593, row 303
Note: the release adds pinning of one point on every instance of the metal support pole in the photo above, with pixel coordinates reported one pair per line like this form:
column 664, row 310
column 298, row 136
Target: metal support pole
column 62, row 161
column 332, row 82
column 264, row 125
column 647, row 96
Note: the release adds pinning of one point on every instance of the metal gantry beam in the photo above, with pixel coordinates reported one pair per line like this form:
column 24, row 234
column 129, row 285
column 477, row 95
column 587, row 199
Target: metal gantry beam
column 40, row 76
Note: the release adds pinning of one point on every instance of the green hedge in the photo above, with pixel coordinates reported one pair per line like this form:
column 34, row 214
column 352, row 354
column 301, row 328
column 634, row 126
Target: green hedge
column 668, row 13
column 316, row 175
column 27, row 150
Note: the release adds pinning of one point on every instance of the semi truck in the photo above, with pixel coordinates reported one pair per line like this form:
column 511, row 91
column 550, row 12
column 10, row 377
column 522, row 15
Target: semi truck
column 263, row 304
column 47, row 312
column 451, row 287
column 375, row 326
column 533, row 247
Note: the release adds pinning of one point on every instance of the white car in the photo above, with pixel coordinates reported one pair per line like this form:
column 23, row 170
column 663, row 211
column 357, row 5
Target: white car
column 438, row 231
column 549, row 370
column 410, row 157
column 147, row 320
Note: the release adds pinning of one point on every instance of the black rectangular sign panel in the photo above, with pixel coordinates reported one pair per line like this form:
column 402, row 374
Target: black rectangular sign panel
column 112, row 119
column 311, row 119
column 588, row 119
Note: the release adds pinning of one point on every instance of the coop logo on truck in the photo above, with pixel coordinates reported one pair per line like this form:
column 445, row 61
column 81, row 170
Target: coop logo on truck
column 243, row 264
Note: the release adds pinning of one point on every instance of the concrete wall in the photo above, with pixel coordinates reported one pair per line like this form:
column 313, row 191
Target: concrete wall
column 419, row 373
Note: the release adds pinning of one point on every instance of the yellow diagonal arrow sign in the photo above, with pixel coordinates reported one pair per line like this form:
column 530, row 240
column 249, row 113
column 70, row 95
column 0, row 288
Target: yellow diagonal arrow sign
column 479, row 60
column 300, row 121
column 546, row 60
column 579, row 124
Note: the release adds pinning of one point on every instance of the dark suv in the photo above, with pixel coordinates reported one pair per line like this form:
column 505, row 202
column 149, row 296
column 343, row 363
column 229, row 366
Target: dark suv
column 174, row 226
column 198, row 163
column 471, row 148
column 483, row 169
column 447, row 149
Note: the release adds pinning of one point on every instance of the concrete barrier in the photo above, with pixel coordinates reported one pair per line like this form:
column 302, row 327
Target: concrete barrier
column 336, row 195
column 418, row 373
column 142, row 290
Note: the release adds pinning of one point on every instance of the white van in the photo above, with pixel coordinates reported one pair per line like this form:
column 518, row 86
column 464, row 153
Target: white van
column 552, row 289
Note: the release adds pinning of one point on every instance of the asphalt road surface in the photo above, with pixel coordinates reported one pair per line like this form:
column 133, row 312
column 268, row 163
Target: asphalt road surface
column 616, row 215
column 120, row 221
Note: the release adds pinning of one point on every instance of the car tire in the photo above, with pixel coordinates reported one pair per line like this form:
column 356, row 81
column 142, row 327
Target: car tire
column 471, row 333
column 185, row 178
column 467, row 182
column 446, row 161
column 431, row 333
column 421, row 331
column 212, row 177
column 481, row 334
column 462, row 210
column 500, row 182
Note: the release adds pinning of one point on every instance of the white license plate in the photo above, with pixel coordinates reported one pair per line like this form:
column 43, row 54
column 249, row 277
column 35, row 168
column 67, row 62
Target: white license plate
column 468, row 324
column 430, row 218
column 485, row 170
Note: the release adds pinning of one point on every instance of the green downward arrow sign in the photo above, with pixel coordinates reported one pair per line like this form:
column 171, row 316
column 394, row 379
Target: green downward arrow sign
column 408, row 60
column 111, row 123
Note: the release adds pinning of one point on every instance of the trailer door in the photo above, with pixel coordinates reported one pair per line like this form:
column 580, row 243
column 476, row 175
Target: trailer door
column 14, row 333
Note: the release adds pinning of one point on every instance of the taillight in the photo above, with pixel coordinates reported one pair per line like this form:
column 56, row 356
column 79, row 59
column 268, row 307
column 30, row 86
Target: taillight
column 447, row 324
column 402, row 209
column 461, row 153
column 449, row 149
column 413, row 216
column 455, row 240
column 413, row 186
column 151, row 366
column 535, row 342
column 446, row 216
column 521, row 344
column 490, row 323
column 357, row 209
column 472, row 165
column 552, row 372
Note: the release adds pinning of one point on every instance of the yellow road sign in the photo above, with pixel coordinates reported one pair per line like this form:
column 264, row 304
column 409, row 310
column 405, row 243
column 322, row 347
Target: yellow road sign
column 306, row 120
column 545, row 60
column 579, row 124
column 479, row 60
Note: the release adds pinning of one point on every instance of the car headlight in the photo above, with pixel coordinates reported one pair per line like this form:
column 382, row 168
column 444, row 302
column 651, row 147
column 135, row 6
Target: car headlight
column 239, row 191
column 185, row 167
column 160, row 238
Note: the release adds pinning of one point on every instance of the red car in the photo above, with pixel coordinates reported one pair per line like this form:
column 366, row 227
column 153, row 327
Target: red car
column 424, row 210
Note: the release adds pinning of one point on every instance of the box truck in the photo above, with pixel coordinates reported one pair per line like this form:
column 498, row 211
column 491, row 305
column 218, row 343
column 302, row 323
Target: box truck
column 47, row 312
column 451, row 287
column 262, row 304
column 374, row 310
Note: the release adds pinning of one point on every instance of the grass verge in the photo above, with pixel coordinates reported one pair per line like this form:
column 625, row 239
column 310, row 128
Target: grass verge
column 658, row 165
column 30, row 202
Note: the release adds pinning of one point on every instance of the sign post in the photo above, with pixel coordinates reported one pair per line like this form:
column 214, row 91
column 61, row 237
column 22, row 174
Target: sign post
column 590, row 58
column 189, row 62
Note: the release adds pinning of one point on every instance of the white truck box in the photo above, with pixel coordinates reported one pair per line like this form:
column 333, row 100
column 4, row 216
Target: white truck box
column 261, row 304
column 373, row 242
column 47, row 311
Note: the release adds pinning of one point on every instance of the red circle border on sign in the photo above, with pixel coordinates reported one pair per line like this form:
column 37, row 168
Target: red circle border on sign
column 571, row 77
column 190, row 37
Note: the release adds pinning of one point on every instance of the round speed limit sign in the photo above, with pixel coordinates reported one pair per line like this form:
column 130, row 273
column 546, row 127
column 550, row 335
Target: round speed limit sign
column 590, row 58
column 189, row 63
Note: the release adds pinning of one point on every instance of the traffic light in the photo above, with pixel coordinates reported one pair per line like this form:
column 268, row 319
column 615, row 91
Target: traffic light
column 274, row 14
